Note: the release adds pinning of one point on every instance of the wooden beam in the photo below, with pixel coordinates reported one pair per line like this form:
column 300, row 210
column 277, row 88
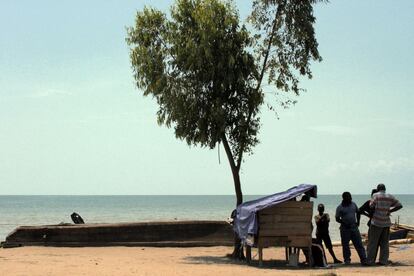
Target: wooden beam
column 277, row 218
column 287, row 212
column 306, row 227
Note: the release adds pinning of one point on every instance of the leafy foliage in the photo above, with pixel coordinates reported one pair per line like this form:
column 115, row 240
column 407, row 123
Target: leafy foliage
column 197, row 66
column 285, row 34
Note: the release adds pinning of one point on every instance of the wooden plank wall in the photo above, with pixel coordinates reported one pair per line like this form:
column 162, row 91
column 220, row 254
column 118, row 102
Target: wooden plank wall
column 286, row 224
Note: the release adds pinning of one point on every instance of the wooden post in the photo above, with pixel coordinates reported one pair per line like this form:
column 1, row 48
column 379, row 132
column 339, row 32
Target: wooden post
column 248, row 254
column 260, row 256
column 310, row 257
column 287, row 254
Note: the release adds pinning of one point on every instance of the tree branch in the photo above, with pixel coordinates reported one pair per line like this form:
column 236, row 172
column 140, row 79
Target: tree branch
column 269, row 46
column 259, row 83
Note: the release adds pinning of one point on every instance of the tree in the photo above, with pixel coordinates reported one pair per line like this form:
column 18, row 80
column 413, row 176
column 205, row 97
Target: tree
column 206, row 70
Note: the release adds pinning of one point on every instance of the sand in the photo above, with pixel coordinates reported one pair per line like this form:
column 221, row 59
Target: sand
column 177, row 261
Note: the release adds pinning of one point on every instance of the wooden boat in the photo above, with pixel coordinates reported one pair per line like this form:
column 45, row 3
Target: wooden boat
column 397, row 232
column 160, row 234
column 401, row 231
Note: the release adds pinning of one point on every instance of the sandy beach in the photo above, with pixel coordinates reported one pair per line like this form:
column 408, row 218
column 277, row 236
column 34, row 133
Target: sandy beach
column 177, row 261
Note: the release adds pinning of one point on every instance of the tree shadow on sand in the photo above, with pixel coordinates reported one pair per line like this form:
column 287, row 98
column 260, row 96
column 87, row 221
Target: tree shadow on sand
column 267, row 264
column 277, row 264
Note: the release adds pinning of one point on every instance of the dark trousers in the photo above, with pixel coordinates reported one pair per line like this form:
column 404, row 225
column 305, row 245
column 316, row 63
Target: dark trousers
column 378, row 236
column 325, row 238
column 352, row 234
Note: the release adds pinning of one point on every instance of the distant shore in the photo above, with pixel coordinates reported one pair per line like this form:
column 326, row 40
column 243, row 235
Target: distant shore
column 178, row 261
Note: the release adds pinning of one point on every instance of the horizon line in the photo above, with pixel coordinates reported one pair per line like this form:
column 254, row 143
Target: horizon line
column 167, row 194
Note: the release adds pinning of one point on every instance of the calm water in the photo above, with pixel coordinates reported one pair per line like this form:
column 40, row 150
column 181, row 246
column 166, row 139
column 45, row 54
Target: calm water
column 38, row 210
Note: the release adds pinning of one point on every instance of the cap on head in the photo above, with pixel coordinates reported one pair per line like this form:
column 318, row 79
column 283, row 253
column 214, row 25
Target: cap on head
column 381, row 187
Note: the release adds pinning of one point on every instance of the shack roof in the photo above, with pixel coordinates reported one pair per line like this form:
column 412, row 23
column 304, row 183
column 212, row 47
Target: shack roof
column 245, row 221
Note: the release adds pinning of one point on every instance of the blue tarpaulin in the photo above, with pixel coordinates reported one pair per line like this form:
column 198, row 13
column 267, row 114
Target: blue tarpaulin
column 245, row 221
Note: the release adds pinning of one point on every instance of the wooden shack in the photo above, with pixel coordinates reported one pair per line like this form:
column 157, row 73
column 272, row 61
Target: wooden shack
column 288, row 224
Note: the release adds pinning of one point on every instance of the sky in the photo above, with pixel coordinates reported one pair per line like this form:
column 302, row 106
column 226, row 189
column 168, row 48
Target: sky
column 73, row 123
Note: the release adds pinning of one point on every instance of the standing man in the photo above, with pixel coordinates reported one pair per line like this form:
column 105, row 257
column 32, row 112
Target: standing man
column 379, row 231
column 348, row 216
column 366, row 209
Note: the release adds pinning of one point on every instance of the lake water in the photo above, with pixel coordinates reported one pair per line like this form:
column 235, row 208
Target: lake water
column 39, row 210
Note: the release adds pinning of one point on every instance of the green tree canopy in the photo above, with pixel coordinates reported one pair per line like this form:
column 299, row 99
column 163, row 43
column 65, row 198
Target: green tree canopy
column 197, row 66
column 206, row 70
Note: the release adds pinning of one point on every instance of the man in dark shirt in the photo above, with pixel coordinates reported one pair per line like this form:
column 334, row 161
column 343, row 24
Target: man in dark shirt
column 366, row 210
column 348, row 216
column 322, row 231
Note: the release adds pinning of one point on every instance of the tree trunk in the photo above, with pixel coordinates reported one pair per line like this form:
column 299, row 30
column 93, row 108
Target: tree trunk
column 238, row 249
column 237, row 186
column 234, row 170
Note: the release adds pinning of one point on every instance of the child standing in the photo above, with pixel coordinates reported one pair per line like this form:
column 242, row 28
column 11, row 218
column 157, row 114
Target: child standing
column 322, row 231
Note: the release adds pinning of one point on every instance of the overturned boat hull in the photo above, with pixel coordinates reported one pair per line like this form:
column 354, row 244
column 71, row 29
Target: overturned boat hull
column 159, row 234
